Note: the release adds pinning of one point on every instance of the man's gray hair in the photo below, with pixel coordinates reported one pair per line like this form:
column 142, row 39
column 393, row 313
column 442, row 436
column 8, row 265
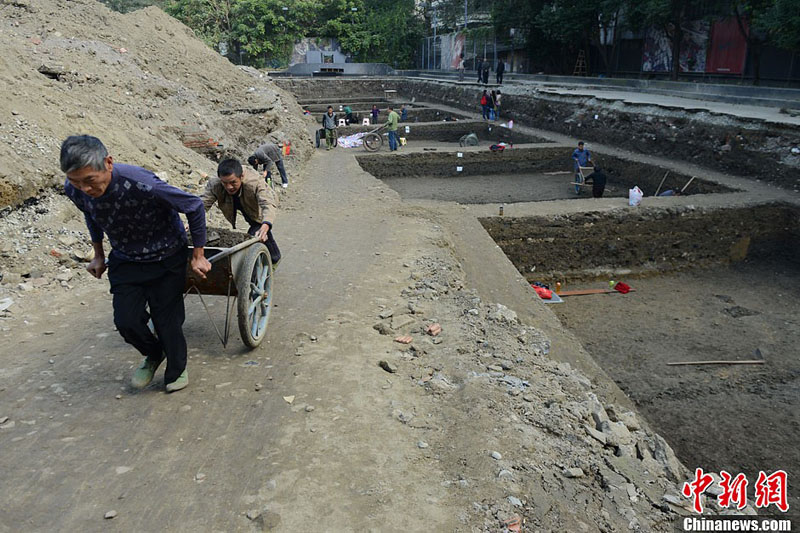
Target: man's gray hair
column 79, row 151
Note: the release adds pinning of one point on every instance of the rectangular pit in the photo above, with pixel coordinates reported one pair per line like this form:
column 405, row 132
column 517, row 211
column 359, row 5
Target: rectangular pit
column 710, row 285
column 517, row 175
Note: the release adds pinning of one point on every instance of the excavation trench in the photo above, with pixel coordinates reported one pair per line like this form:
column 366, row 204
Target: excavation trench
column 710, row 285
column 517, row 175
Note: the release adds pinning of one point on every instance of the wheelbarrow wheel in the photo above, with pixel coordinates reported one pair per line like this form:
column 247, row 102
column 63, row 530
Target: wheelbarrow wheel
column 372, row 142
column 319, row 136
column 254, row 285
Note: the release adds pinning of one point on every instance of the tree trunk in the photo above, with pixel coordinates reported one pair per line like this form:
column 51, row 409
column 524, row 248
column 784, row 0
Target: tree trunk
column 677, row 37
column 756, row 62
column 614, row 43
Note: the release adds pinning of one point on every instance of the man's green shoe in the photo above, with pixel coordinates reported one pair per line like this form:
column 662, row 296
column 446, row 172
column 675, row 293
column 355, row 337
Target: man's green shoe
column 143, row 375
column 180, row 383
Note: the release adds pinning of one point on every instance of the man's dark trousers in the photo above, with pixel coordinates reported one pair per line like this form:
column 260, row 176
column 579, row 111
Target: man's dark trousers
column 281, row 169
column 272, row 246
column 159, row 286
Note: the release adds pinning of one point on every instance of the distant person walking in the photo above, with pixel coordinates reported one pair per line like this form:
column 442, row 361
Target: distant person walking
column 497, row 99
column 486, row 67
column 582, row 158
column 391, row 127
column 479, row 68
column 375, row 111
column 493, row 106
column 461, row 68
column 329, row 125
column 403, row 113
column 501, row 68
column 485, row 105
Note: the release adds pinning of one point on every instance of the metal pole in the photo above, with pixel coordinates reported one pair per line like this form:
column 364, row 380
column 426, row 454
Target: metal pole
column 495, row 51
column 434, row 37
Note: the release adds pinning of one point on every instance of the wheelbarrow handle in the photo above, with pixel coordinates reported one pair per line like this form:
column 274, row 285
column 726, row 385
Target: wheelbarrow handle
column 228, row 251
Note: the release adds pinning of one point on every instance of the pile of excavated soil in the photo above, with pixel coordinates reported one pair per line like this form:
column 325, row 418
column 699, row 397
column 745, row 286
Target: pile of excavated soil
column 141, row 82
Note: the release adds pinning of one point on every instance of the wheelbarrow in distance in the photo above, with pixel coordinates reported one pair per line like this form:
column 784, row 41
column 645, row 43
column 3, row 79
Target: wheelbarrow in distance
column 244, row 275
column 373, row 140
column 320, row 137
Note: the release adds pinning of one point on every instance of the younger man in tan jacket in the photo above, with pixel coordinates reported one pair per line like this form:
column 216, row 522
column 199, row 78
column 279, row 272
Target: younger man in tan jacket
column 238, row 191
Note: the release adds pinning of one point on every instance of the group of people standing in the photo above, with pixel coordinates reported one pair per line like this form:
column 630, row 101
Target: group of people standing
column 482, row 68
column 330, row 121
column 490, row 104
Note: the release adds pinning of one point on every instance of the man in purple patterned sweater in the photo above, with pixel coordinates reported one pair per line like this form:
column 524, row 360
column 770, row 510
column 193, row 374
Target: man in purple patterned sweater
column 147, row 264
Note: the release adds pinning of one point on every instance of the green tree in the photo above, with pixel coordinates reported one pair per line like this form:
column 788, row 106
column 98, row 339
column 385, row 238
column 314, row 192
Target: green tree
column 210, row 19
column 747, row 14
column 266, row 32
column 263, row 32
column 392, row 34
column 781, row 21
column 579, row 24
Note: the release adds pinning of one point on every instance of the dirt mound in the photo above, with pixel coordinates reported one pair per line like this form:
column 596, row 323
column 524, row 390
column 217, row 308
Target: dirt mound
column 142, row 82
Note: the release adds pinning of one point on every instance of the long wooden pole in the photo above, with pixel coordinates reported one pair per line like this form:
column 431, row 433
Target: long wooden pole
column 748, row 362
column 687, row 184
column 662, row 183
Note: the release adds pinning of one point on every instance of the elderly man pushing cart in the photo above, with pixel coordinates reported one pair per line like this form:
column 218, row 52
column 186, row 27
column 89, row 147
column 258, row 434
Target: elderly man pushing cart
column 147, row 264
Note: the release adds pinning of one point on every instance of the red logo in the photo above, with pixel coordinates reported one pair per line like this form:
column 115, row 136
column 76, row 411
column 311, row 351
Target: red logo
column 696, row 488
column 769, row 490
column 772, row 489
column 734, row 490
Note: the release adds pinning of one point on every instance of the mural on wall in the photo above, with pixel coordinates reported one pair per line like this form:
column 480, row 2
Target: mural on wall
column 452, row 46
column 312, row 44
column 657, row 54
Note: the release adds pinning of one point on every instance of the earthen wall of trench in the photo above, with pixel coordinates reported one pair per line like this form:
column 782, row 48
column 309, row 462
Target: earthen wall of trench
column 622, row 172
column 652, row 241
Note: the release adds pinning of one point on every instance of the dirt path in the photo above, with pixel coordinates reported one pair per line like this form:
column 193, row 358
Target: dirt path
column 77, row 452
column 472, row 429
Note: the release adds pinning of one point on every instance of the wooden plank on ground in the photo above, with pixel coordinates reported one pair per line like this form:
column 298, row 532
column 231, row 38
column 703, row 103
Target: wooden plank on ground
column 748, row 362
column 582, row 292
